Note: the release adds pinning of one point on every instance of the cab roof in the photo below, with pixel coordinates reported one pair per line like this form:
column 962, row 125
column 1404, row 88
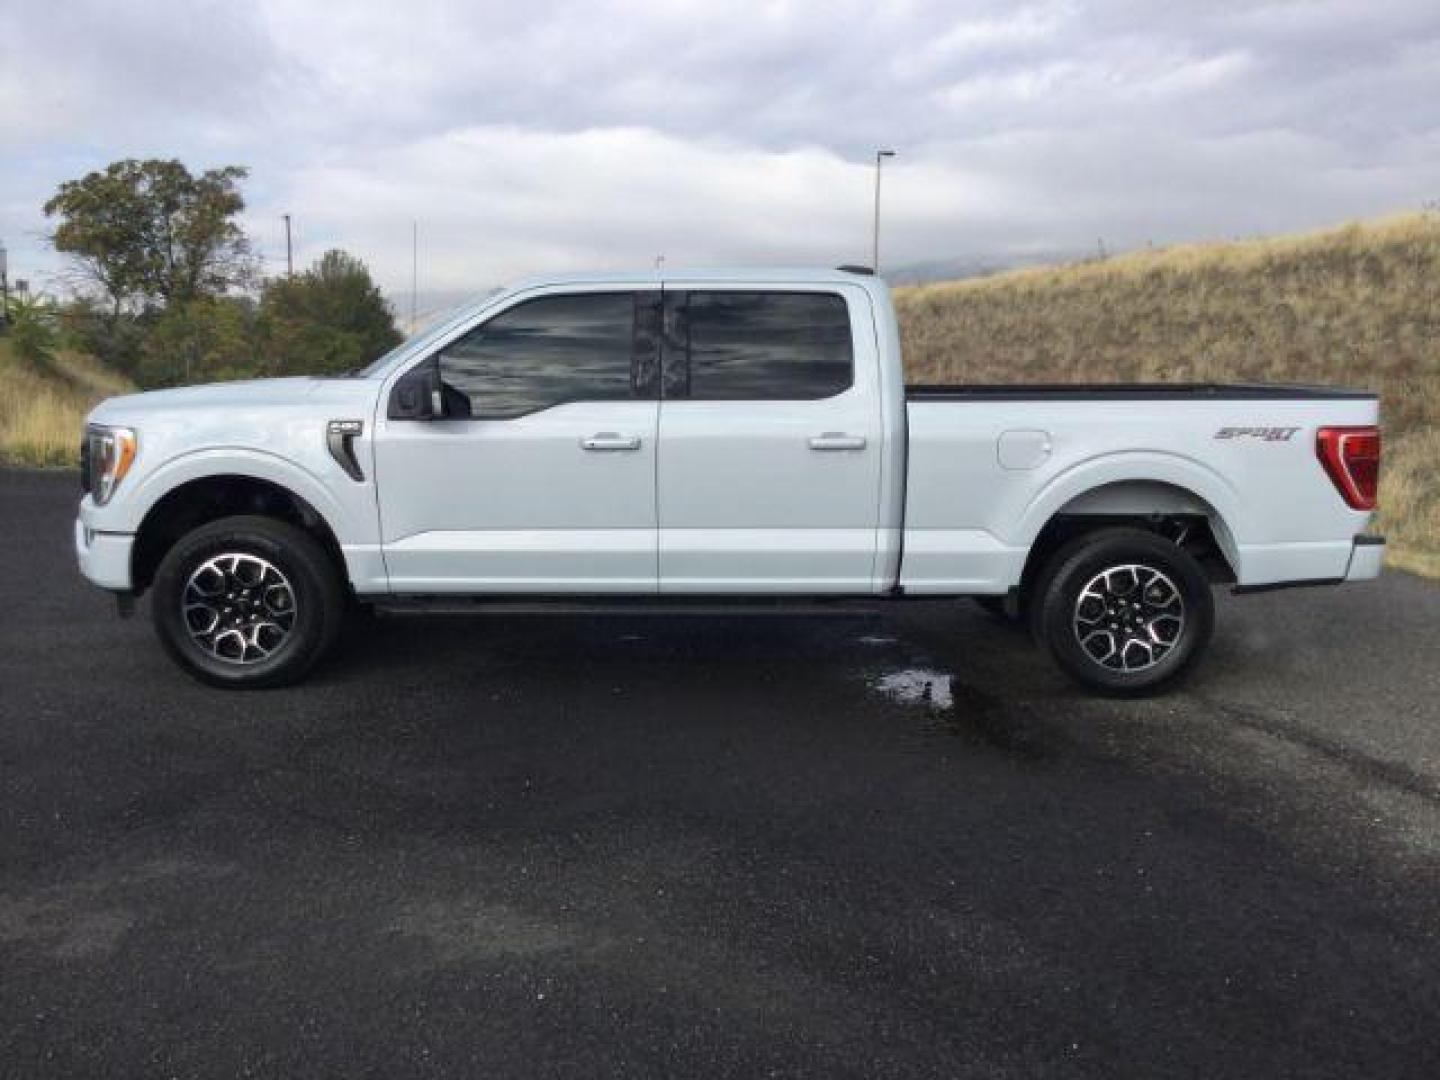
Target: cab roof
column 767, row 275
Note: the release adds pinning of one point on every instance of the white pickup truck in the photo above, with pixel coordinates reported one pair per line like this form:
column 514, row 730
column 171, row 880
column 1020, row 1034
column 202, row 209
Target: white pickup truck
column 730, row 438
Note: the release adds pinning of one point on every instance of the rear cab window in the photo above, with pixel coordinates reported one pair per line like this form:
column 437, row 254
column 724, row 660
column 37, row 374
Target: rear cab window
column 723, row 345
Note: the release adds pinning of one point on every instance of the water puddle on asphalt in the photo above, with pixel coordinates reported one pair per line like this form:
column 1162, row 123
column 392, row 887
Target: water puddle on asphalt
column 916, row 686
column 948, row 706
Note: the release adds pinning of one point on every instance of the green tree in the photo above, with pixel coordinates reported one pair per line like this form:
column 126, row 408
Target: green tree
column 204, row 340
column 330, row 319
column 152, row 232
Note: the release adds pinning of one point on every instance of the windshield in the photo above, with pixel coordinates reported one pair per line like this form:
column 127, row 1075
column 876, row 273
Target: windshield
column 427, row 328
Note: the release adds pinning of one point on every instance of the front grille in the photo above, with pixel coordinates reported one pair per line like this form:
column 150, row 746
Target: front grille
column 85, row 481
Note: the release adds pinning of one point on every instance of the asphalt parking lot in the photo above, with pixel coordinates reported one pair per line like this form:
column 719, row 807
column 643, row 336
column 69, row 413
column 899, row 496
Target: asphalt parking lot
column 866, row 847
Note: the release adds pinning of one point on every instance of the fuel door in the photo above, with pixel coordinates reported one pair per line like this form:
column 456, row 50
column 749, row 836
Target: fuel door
column 1023, row 448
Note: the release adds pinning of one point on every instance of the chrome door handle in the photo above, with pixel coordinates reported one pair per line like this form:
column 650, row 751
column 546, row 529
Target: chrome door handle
column 609, row 440
column 836, row 440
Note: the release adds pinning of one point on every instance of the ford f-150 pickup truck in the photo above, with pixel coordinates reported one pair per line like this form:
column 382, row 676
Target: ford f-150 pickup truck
column 666, row 439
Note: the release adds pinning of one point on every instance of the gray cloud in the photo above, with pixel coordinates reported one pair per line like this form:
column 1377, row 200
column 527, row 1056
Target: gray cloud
column 600, row 133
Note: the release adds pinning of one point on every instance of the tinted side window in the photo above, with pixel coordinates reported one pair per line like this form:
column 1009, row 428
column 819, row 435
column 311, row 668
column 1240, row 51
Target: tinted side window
column 546, row 352
column 771, row 346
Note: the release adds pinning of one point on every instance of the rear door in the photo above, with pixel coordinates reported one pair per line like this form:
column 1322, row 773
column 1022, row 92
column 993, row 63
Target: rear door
column 768, row 477
column 541, row 478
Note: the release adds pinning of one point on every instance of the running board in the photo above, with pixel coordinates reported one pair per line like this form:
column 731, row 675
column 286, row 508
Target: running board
column 649, row 605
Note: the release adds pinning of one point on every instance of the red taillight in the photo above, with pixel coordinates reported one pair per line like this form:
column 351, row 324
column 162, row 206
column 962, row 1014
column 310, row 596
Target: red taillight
column 1351, row 455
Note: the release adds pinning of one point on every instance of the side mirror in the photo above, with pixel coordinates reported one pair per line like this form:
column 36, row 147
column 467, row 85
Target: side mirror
column 418, row 395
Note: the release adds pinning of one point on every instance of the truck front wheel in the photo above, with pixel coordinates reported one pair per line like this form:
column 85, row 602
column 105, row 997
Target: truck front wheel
column 1123, row 611
column 247, row 602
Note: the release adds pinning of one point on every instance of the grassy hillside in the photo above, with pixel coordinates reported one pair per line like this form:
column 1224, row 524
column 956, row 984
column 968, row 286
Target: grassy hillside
column 42, row 407
column 1355, row 306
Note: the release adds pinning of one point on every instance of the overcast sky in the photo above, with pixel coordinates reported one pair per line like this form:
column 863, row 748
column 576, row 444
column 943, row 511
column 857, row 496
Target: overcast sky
column 533, row 136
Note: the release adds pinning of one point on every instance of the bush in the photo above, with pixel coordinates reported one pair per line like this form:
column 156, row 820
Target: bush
column 32, row 331
column 199, row 341
column 114, row 339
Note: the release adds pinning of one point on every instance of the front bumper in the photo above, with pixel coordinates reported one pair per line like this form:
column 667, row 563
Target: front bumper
column 104, row 557
column 1366, row 558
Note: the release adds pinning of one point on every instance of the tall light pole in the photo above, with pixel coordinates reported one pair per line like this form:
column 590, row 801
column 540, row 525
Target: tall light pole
column 289, row 253
column 880, row 155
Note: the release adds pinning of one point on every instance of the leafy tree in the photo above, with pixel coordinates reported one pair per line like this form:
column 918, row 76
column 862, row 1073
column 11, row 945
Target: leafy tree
column 167, row 253
column 330, row 319
column 150, row 231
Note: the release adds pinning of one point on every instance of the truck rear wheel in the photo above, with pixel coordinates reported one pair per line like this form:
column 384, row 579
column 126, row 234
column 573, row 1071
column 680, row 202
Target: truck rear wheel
column 247, row 602
column 1123, row 611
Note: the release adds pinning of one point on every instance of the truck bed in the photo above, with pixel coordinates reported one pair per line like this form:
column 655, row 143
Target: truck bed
column 988, row 466
column 1131, row 392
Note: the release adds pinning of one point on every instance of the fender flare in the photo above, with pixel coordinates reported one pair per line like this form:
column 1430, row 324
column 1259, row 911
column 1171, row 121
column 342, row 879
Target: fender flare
column 238, row 461
column 1153, row 466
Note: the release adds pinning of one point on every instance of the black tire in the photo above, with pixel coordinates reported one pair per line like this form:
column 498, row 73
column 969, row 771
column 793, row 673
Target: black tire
column 303, row 571
column 1096, row 595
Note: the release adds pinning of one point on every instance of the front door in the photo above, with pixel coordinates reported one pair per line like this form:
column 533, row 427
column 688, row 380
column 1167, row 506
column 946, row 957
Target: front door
column 541, row 476
column 768, row 479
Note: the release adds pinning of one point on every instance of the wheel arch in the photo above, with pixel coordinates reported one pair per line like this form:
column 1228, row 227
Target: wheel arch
column 209, row 497
column 1130, row 479
column 1192, row 515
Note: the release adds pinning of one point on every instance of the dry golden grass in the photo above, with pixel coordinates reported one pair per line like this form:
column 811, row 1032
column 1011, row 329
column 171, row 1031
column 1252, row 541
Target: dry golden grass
column 41, row 411
column 1352, row 306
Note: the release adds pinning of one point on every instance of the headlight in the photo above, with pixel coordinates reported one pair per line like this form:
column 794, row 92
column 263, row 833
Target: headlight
column 110, row 451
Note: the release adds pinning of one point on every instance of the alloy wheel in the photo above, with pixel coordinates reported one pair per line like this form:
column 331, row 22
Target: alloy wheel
column 1129, row 617
column 238, row 607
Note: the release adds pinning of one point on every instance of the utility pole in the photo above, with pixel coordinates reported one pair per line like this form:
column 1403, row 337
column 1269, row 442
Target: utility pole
column 414, row 269
column 4, row 285
column 880, row 155
column 289, row 253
